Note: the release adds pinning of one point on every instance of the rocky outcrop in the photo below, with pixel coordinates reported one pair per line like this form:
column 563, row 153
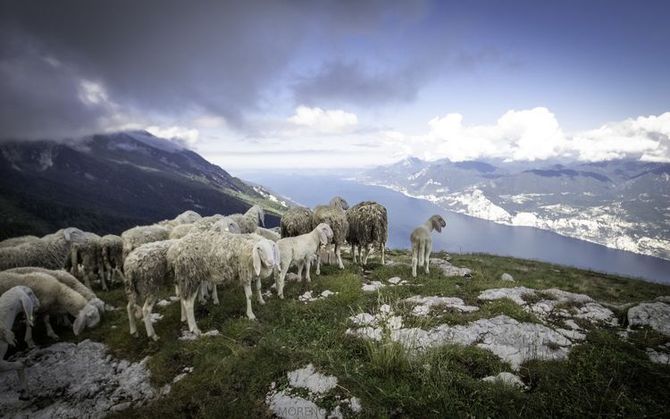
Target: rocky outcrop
column 655, row 315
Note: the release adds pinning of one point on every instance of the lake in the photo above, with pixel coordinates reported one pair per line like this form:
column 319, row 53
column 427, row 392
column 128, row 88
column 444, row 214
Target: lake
column 465, row 234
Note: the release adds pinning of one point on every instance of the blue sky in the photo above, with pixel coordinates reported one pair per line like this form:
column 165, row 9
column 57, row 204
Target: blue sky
column 337, row 84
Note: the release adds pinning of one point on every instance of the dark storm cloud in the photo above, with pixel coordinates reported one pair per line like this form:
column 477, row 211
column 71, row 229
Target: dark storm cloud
column 167, row 58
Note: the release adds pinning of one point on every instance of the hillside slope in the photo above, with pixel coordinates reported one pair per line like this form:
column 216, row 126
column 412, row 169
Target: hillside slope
column 108, row 183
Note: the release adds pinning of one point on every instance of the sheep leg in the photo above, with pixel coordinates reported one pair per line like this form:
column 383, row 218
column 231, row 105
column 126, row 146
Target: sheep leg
column 415, row 251
column 301, row 266
column 339, row 256
column 130, row 308
column 318, row 262
column 181, row 303
column 103, row 281
column 367, row 254
column 353, row 253
column 248, row 293
column 29, row 336
column 146, row 314
column 50, row 330
column 189, row 304
column 308, row 266
column 429, row 249
column 202, row 293
column 215, row 294
column 259, row 290
column 280, row 277
column 383, row 250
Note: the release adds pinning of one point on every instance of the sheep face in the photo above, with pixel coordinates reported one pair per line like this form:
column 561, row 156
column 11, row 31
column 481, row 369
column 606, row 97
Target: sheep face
column 87, row 317
column 98, row 304
column 438, row 223
column 339, row 202
column 325, row 233
column 265, row 254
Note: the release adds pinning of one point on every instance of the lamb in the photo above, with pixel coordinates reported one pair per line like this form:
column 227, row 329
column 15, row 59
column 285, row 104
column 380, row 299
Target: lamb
column 422, row 243
column 85, row 260
column 296, row 221
column 140, row 235
column 55, row 298
column 267, row 233
column 220, row 257
column 146, row 272
column 251, row 219
column 65, row 278
column 334, row 215
column 368, row 225
column 111, row 250
column 12, row 302
column 50, row 251
column 301, row 250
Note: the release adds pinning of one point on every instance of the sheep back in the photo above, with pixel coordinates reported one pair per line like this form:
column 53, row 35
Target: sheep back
column 368, row 224
column 140, row 235
column 336, row 218
column 146, row 269
column 295, row 222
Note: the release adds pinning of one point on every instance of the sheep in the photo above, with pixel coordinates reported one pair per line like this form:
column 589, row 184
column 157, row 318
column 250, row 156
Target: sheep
column 111, row 250
column 65, row 278
column 295, row 222
column 334, row 215
column 85, row 260
column 300, row 249
column 267, row 233
column 140, row 235
column 251, row 219
column 187, row 217
column 50, row 251
column 180, row 231
column 14, row 241
column 146, row 272
column 422, row 243
column 12, row 302
column 368, row 225
column 220, row 257
column 55, row 298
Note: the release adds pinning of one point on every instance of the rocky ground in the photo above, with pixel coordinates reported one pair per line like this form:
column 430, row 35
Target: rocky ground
column 479, row 335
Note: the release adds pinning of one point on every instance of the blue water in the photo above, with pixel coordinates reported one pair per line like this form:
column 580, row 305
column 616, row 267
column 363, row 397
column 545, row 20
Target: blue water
column 465, row 234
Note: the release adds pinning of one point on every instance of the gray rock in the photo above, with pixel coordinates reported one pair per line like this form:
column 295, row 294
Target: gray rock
column 506, row 277
column 448, row 269
column 506, row 378
column 655, row 315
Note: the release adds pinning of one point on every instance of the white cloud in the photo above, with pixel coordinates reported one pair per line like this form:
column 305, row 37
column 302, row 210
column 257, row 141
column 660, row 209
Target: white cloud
column 210, row 121
column 92, row 93
column 325, row 121
column 187, row 136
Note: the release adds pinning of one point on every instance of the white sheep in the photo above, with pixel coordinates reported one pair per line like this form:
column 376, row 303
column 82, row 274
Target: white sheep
column 12, row 302
column 251, row 219
column 65, row 278
column 85, row 260
column 146, row 272
column 221, row 258
column 300, row 250
column 140, row 235
column 422, row 242
column 180, row 231
column 14, row 241
column 334, row 215
column 111, row 249
column 267, row 233
column 50, row 251
column 55, row 298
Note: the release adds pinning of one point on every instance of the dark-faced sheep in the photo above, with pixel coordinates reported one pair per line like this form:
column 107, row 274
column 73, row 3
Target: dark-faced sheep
column 422, row 242
column 368, row 226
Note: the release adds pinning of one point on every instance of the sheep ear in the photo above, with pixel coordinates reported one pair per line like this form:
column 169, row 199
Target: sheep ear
column 79, row 323
column 256, row 258
column 28, row 308
column 323, row 237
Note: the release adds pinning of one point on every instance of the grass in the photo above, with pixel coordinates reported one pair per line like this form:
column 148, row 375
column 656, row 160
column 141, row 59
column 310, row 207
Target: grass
column 232, row 372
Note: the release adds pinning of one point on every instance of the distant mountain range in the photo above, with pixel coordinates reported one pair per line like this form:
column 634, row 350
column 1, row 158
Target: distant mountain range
column 621, row 204
column 110, row 182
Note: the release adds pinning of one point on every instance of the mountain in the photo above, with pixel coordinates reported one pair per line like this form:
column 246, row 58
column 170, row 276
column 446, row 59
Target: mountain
column 107, row 183
column 622, row 204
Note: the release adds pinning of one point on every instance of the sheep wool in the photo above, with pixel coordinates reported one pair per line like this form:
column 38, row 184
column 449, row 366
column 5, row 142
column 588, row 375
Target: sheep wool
column 267, row 233
column 251, row 219
column 296, row 221
column 50, row 251
column 334, row 215
column 140, row 235
column 368, row 225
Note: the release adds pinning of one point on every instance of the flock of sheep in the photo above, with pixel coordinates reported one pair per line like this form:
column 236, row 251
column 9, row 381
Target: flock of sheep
column 53, row 276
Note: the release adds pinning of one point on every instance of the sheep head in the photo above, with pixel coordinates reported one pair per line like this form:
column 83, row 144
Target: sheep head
column 325, row 233
column 438, row 222
column 87, row 317
column 339, row 202
column 264, row 254
column 260, row 214
column 98, row 304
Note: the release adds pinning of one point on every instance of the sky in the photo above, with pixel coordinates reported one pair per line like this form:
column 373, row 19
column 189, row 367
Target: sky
column 344, row 84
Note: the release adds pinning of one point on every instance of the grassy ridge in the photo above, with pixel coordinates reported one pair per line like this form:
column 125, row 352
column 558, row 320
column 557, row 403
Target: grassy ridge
column 232, row 372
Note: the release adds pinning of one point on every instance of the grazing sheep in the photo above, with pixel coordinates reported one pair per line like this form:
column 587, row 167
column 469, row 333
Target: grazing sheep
column 220, row 257
column 65, row 278
column 334, row 215
column 55, row 298
column 180, row 231
column 368, row 225
column 12, row 302
column 267, row 233
column 187, row 217
column 15, row 241
column 85, row 260
column 137, row 236
column 422, row 243
column 146, row 272
column 111, row 250
column 300, row 249
column 50, row 251
column 295, row 222
column 251, row 219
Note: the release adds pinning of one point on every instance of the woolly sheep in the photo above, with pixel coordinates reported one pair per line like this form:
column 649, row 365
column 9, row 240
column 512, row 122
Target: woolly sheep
column 55, row 298
column 295, row 222
column 251, row 219
column 111, row 250
column 422, row 243
column 85, row 260
column 268, row 234
column 334, row 215
column 180, row 231
column 12, row 302
column 14, row 241
column 368, row 225
column 186, row 217
column 300, row 249
column 50, row 251
column 65, row 278
column 140, row 235
column 221, row 258
column 146, row 272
